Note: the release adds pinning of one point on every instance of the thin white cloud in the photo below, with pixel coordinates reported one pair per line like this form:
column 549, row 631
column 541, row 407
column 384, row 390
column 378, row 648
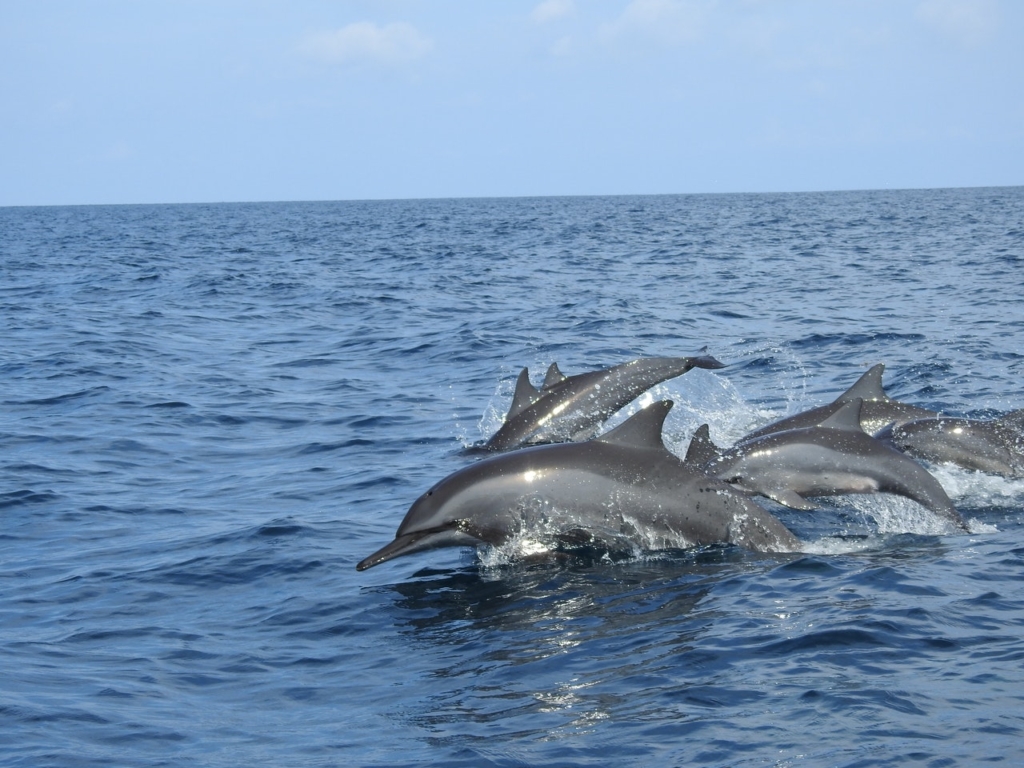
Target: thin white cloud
column 969, row 22
column 672, row 21
column 365, row 42
column 550, row 10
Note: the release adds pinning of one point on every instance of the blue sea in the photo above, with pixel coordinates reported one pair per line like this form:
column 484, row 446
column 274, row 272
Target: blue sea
column 211, row 413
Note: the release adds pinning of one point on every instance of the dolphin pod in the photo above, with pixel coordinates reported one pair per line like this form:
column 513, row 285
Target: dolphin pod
column 572, row 408
column 835, row 457
column 623, row 485
column 626, row 489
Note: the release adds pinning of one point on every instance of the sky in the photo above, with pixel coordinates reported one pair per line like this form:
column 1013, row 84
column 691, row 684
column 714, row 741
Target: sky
column 167, row 101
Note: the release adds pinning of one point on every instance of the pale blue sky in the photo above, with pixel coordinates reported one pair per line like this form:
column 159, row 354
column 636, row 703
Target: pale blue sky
column 138, row 101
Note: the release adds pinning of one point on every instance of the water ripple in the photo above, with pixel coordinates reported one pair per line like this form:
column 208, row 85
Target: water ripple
column 212, row 412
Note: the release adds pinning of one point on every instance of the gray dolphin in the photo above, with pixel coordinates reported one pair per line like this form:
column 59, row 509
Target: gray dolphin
column 837, row 457
column 877, row 409
column 996, row 446
column 572, row 408
column 624, row 486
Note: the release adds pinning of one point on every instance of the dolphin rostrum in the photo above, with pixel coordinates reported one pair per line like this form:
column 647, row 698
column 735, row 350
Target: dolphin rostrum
column 624, row 486
column 572, row 408
column 996, row 446
column 837, row 457
column 877, row 410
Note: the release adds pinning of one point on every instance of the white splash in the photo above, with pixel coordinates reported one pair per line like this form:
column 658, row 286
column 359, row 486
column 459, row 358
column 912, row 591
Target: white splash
column 837, row 545
column 978, row 489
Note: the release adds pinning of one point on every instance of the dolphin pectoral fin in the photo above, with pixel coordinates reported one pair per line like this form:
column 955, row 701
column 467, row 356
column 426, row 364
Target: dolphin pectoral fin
column 791, row 499
column 418, row 541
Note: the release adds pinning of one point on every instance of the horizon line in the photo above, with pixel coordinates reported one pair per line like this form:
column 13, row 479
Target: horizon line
column 509, row 197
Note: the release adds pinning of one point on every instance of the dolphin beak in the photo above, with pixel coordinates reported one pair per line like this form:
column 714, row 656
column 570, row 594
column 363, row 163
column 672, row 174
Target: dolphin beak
column 418, row 541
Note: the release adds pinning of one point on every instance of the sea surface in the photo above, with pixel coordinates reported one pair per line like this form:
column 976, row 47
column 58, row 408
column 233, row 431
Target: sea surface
column 211, row 413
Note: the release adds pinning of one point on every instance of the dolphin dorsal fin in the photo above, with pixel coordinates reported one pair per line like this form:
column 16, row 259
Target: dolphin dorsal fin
column 1013, row 419
column 706, row 361
column 702, row 449
column 867, row 387
column 526, row 395
column 642, row 429
column 553, row 376
column 847, row 417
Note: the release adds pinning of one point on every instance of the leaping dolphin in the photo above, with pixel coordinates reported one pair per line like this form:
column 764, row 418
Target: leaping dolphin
column 837, row 457
column 996, row 447
column 624, row 485
column 877, row 409
column 572, row 408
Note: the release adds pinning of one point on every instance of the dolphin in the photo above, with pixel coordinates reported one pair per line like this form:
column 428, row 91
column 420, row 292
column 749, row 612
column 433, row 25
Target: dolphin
column 837, row 457
column 623, row 487
column 996, row 446
column 572, row 408
column 877, row 409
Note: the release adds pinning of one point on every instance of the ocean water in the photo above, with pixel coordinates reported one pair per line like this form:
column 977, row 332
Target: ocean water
column 211, row 413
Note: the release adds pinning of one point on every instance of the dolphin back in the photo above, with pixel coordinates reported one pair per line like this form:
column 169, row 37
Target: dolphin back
column 572, row 408
column 995, row 447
